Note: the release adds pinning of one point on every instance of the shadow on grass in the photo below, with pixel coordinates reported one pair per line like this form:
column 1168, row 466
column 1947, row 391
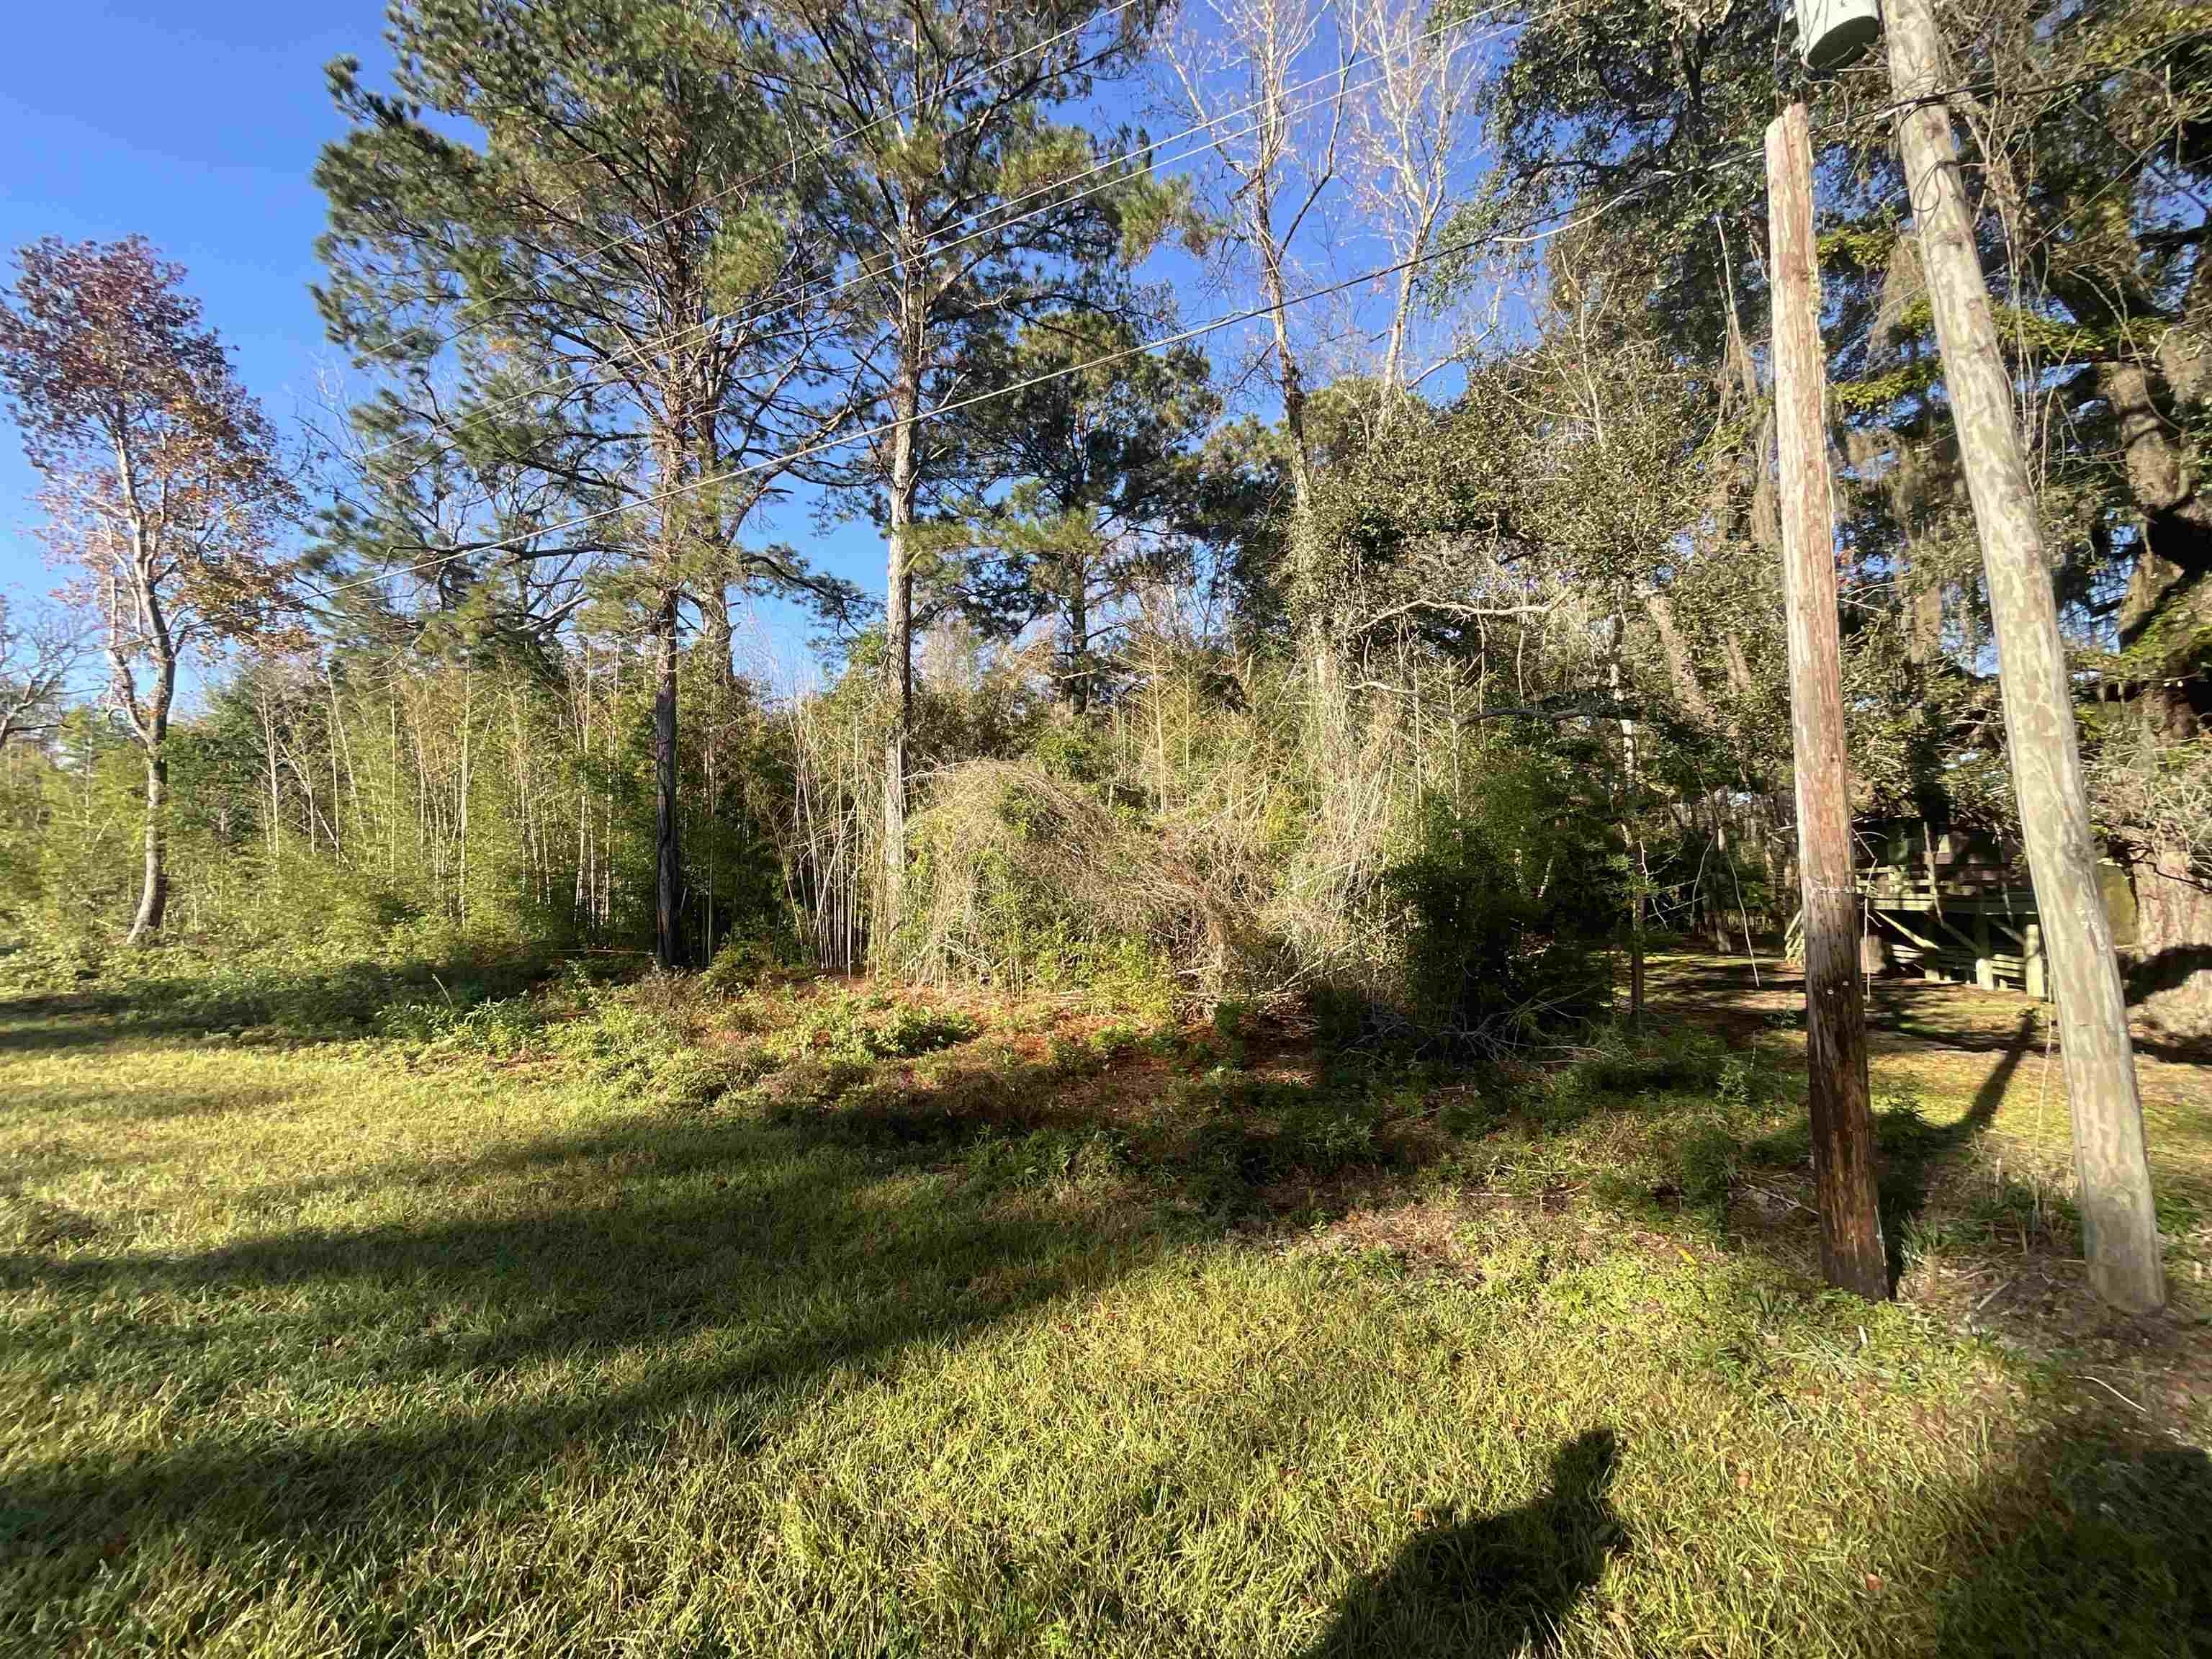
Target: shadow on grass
column 724, row 1268
column 327, row 1394
column 186, row 996
column 2162, row 972
column 1725, row 993
column 1917, row 1156
column 1495, row 1585
column 2096, row 1541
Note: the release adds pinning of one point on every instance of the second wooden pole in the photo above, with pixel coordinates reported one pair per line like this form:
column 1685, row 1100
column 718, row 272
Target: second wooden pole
column 1851, row 1253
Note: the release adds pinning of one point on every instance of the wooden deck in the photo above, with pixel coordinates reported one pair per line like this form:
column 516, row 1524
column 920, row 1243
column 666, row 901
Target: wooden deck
column 1957, row 908
column 1972, row 930
column 1971, row 933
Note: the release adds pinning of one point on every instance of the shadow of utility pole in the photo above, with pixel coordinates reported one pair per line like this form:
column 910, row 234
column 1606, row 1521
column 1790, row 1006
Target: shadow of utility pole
column 1915, row 1154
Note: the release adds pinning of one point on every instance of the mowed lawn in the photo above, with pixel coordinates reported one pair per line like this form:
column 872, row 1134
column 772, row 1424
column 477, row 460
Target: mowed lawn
column 810, row 1320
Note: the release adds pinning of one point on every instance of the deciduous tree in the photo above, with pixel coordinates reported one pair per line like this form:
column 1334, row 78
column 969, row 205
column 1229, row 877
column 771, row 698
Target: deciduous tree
column 164, row 484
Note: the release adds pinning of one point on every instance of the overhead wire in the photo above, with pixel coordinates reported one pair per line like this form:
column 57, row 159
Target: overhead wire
column 1527, row 235
column 1524, row 237
column 799, row 296
column 791, row 163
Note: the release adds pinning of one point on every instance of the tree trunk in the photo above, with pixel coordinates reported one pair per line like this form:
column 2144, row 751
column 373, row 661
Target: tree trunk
column 150, row 724
column 154, row 892
column 668, row 862
column 1660, row 607
column 1394, row 354
column 2119, row 1227
column 2177, row 534
column 898, row 623
column 2170, row 965
column 1079, row 642
column 1287, row 361
column 1851, row 1253
column 718, row 631
column 1632, row 836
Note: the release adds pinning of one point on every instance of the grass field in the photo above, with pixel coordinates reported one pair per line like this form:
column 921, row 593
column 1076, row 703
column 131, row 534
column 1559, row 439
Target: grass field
column 343, row 1317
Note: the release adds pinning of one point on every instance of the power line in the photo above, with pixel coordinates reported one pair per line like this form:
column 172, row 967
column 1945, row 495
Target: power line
column 826, row 144
column 1527, row 236
column 699, row 330
column 1524, row 238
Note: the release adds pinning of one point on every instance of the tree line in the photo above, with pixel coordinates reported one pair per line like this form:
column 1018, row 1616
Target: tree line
column 1410, row 642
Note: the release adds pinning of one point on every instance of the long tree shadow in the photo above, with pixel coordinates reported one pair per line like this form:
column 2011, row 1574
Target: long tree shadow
column 583, row 1298
column 2168, row 970
column 287, row 1001
column 1725, row 993
column 1495, row 1585
column 730, row 1270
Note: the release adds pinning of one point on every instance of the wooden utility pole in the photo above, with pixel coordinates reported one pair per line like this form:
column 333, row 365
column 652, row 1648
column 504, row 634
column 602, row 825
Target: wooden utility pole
column 1851, row 1252
column 2118, row 1226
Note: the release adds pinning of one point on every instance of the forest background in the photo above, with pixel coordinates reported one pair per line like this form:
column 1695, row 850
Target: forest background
column 1406, row 648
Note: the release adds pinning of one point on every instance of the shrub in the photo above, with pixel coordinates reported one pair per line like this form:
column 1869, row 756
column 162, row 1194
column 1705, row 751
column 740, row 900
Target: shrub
column 1500, row 942
column 503, row 1026
column 908, row 1030
column 1625, row 1061
column 1019, row 880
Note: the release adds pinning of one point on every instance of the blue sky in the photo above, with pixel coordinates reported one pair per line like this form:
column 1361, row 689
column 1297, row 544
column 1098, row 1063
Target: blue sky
column 197, row 126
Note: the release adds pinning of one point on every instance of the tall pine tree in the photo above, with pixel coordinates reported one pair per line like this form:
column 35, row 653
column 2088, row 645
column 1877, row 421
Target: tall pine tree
column 575, row 240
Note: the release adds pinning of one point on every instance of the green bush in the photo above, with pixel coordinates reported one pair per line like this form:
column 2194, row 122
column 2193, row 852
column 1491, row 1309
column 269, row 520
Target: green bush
column 907, row 1031
column 1622, row 1060
column 503, row 1026
column 1501, row 939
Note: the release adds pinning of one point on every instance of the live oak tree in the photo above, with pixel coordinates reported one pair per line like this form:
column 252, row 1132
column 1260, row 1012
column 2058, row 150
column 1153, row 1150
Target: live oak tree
column 577, row 241
column 2087, row 156
column 2082, row 196
column 965, row 204
column 163, row 483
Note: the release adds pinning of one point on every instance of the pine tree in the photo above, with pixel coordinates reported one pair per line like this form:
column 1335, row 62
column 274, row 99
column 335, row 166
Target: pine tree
column 595, row 311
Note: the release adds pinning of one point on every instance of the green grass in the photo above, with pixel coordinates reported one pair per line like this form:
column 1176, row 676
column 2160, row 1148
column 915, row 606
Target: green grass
column 823, row 1321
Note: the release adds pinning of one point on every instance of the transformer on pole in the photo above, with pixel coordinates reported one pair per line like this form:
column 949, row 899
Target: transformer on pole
column 1834, row 34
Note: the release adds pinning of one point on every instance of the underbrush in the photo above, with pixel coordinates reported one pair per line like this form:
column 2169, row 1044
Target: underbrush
column 1239, row 1116
column 1471, row 920
column 1021, row 881
column 1236, row 1114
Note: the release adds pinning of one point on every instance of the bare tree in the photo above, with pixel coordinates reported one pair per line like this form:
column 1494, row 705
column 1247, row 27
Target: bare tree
column 36, row 660
column 1418, row 104
column 1248, row 66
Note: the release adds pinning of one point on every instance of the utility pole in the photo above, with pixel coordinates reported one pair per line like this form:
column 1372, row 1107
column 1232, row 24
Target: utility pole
column 1851, row 1253
column 2119, row 1227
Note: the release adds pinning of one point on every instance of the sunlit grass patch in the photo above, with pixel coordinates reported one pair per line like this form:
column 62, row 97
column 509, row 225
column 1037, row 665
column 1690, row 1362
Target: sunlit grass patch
column 1040, row 1331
